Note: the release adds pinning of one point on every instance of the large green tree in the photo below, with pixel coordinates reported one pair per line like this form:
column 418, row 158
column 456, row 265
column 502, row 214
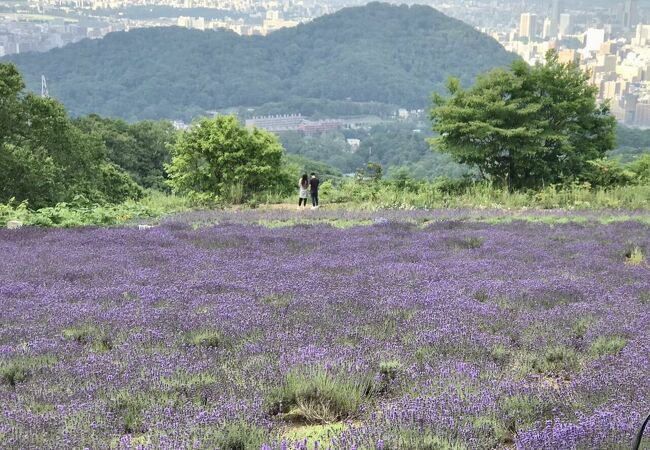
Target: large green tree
column 219, row 154
column 142, row 148
column 44, row 158
column 11, row 84
column 527, row 126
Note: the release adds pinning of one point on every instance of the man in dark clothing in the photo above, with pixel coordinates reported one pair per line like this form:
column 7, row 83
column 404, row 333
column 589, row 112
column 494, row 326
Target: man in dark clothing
column 314, row 183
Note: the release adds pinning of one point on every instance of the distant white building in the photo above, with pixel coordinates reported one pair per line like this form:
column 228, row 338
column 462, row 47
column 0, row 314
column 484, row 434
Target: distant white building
column 192, row 22
column 180, row 125
column 284, row 122
column 594, row 39
column 354, row 144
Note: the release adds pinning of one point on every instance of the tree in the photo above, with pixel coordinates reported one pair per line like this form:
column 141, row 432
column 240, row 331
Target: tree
column 527, row 126
column 142, row 148
column 220, row 154
column 45, row 159
column 641, row 168
column 11, row 85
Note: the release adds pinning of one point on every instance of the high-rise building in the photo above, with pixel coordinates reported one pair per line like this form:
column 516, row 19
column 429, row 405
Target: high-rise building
column 528, row 25
column 565, row 25
column 556, row 10
column 631, row 14
column 642, row 38
column 546, row 29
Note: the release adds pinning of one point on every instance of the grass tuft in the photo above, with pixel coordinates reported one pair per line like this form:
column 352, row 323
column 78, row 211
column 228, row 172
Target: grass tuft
column 193, row 386
column 277, row 301
column 481, row 296
column 644, row 298
column 500, row 354
column 389, row 372
column 14, row 373
column 130, row 409
column 81, row 335
column 19, row 370
column 205, row 338
column 498, row 433
column 523, row 411
column 98, row 338
column 238, row 435
column 581, row 327
column 556, row 360
column 315, row 396
column 607, row 345
column 467, row 243
column 412, row 439
column 634, row 256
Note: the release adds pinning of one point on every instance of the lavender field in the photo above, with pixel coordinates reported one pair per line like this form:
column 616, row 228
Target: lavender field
column 411, row 330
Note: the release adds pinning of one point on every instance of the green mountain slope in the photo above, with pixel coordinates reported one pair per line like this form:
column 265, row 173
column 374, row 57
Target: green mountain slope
column 379, row 52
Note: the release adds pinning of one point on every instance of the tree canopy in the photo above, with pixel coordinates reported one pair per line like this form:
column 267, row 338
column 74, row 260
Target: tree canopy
column 45, row 158
column 527, row 126
column 218, row 155
column 379, row 52
column 142, row 148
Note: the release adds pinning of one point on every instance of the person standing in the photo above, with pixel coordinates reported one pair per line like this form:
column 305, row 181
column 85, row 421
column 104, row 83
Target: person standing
column 314, row 184
column 303, row 185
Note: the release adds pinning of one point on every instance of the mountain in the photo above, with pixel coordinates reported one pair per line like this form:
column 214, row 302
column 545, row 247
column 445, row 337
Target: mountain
column 379, row 52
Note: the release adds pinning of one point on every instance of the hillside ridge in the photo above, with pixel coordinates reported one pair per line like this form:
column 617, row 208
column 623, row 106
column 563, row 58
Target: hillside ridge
column 378, row 52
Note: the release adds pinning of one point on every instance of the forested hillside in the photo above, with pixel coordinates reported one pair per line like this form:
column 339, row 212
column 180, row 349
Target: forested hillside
column 380, row 53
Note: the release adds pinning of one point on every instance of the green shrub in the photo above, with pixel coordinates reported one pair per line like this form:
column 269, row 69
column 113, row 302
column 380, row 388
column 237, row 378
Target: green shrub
column 464, row 194
column 82, row 213
column 607, row 345
column 315, row 396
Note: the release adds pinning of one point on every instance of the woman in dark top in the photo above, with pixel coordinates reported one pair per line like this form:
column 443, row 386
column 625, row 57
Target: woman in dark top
column 314, row 183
